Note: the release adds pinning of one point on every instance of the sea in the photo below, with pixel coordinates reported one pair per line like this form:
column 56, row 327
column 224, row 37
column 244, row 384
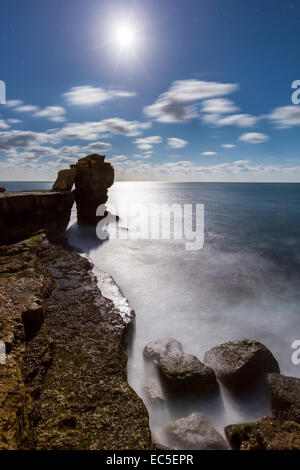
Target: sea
column 244, row 282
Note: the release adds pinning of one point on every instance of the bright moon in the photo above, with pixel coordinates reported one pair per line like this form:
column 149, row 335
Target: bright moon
column 125, row 36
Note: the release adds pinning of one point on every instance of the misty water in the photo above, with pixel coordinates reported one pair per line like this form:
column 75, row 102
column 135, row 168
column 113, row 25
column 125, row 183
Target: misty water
column 244, row 283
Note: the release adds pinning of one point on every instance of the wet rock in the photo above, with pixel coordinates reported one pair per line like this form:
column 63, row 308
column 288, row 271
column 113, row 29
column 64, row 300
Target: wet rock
column 285, row 396
column 182, row 373
column 65, row 180
column 2, row 190
column 266, row 434
column 92, row 180
column 67, row 388
column 239, row 364
column 12, row 405
column 157, row 444
column 157, row 349
column 195, row 433
column 154, row 392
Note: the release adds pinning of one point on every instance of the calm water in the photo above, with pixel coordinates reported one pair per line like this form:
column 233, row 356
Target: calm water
column 244, row 283
column 25, row 185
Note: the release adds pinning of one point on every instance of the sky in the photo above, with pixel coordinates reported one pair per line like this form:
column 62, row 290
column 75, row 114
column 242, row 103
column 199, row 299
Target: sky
column 199, row 90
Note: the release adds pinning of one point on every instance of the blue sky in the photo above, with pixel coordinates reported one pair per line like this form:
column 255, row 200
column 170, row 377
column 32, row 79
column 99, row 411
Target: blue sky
column 168, row 90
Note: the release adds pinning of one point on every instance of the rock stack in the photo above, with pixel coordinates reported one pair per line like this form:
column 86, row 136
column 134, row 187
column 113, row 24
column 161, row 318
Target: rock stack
column 92, row 180
column 92, row 177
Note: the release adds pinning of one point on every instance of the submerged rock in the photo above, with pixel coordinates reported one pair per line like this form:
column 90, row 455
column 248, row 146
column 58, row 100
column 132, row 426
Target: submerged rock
column 195, row 433
column 285, row 396
column 239, row 364
column 182, row 373
column 157, row 444
column 266, row 434
column 157, row 349
column 154, row 392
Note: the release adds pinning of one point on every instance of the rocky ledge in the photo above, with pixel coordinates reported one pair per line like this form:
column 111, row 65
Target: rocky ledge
column 23, row 213
column 63, row 385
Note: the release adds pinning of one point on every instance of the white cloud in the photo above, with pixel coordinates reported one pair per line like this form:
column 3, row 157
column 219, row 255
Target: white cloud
column 27, row 108
column 144, row 156
column 53, row 113
column 14, row 121
column 175, row 104
column 3, row 124
column 62, row 155
column 118, row 158
column 219, row 106
column 122, row 93
column 254, row 138
column 88, row 95
column 93, row 130
column 239, row 120
column 147, row 143
column 176, row 143
column 66, row 161
column 286, row 116
column 13, row 103
column 228, row 146
column 97, row 147
column 137, row 170
column 21, row 139
column 209, row 153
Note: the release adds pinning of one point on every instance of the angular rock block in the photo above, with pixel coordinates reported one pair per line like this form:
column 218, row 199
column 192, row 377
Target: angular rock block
column 239, row 364
column 266, row 434
column 181, row 372
column 195, row 433
column 285, row 396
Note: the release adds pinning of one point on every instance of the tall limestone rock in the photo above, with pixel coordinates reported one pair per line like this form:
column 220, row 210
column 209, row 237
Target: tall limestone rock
column 65, row 180
column 92, row 179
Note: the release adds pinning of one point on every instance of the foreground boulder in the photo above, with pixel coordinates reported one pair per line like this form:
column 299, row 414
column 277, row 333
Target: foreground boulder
column 266, row 434
column 154, row 392
column 239, row 364
column 182, row 373
column 285, row 396
column 159, row 348
column 195, row 433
